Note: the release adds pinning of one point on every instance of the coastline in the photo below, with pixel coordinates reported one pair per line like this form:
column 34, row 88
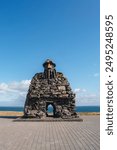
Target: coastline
column 18, row 114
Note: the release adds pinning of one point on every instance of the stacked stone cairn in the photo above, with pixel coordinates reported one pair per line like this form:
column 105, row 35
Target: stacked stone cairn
column 50, row 87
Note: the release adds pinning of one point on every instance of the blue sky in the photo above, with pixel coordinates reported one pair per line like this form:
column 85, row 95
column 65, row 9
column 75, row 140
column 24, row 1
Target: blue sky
column 66, row 31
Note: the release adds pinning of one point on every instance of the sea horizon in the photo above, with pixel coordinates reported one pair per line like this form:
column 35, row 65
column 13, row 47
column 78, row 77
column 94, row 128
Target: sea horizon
column 95, row 108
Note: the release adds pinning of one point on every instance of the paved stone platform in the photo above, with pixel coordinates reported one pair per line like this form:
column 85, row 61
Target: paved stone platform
column 50, row 135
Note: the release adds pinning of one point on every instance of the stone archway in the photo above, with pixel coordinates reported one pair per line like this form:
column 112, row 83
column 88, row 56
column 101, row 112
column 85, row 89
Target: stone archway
column 53, row 109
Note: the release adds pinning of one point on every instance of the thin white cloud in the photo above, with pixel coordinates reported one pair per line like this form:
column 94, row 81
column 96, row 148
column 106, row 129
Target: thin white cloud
column 77, row 90
column 14, row 92
column 84, row 97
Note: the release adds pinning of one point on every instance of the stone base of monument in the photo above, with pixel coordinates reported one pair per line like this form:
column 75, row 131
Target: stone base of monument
column 46, row 120
column 49, row 118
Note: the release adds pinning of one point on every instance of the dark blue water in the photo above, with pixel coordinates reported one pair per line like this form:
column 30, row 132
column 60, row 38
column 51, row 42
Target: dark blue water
column 78, row 109
column 4, row 108
column 88, row 109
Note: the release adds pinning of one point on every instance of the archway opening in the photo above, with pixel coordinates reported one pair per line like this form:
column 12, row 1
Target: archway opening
column 50, row 110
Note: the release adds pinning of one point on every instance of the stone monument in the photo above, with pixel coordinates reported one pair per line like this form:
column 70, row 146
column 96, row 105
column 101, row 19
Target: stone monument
column 50, row 87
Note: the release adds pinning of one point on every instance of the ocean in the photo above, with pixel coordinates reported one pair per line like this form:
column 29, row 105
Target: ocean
column 78, row 109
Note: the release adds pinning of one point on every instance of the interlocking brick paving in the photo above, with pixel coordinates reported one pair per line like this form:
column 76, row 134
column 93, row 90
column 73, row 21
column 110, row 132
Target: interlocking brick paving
column 50, row 135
